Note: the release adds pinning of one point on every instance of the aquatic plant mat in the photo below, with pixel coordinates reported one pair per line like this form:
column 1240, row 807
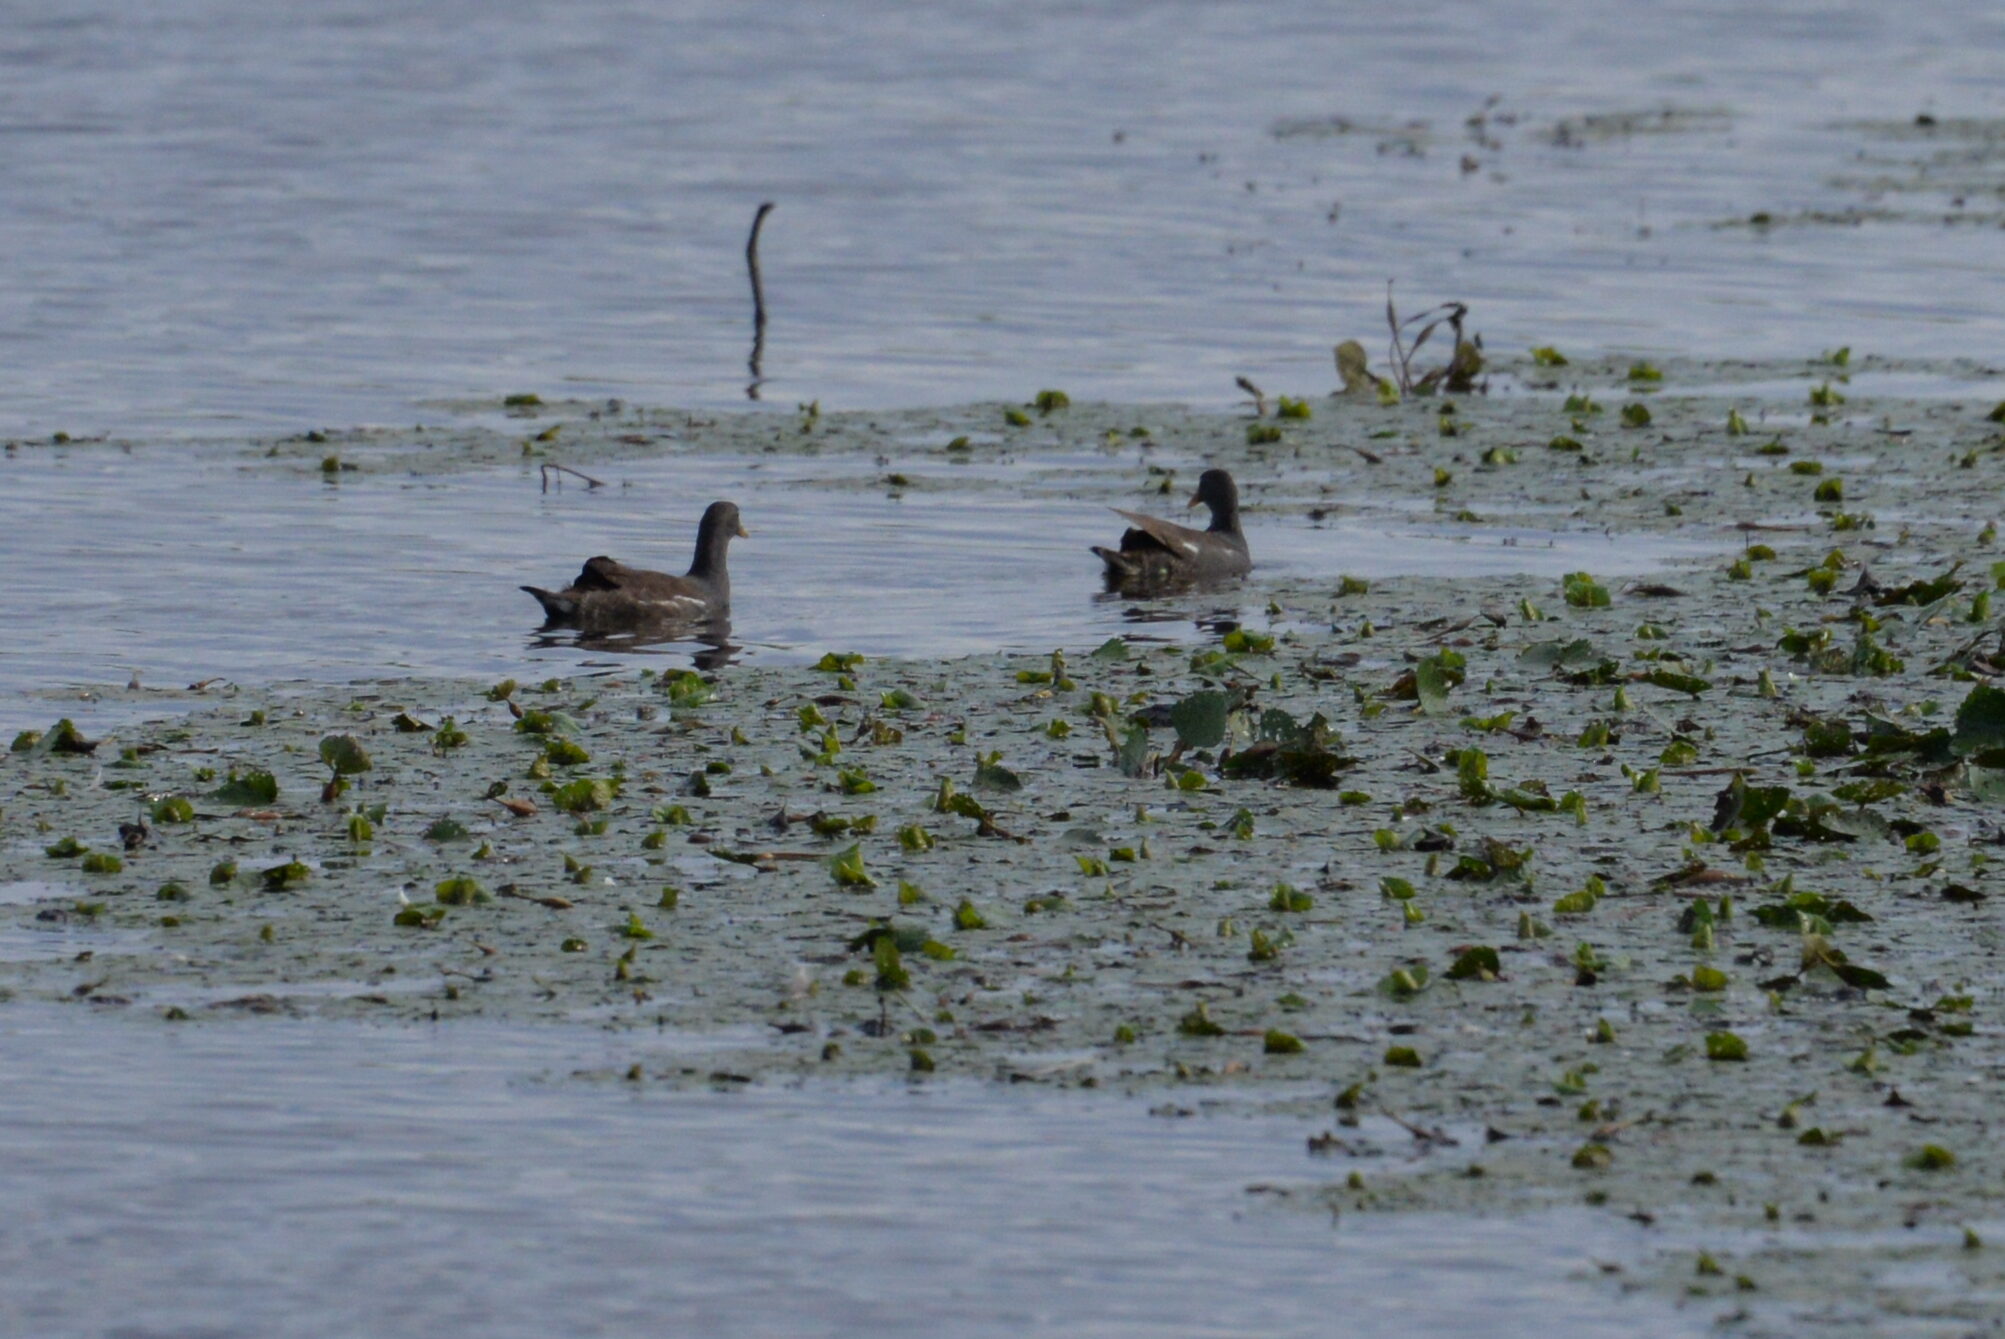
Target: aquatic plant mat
column 1669, row 894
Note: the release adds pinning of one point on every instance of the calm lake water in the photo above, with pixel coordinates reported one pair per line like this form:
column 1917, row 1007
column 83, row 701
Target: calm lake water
column 185, row 564
column 225, row 215
column 227, row 218
column 272, row 1178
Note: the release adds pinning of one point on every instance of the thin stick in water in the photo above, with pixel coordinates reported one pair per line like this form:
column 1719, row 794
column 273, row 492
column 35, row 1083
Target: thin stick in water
column 758, row 302
column 562, row 470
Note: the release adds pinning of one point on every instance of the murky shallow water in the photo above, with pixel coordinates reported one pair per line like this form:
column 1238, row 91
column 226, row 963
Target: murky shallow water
column 190, row 566
column 230, row 214
column 332, row 1179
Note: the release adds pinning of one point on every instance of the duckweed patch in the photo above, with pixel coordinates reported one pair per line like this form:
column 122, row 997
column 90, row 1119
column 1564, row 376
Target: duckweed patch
column 1621, row 870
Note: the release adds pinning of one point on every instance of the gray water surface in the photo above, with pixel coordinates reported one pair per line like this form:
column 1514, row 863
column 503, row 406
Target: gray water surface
column 187, row 564
column 223, row 214
column 277, row 1179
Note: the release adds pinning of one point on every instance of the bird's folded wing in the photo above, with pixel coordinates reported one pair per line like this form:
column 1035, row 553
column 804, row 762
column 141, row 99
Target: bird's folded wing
column 1178, row 539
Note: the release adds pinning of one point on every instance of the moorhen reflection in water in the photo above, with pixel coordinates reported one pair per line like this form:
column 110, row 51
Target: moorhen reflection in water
column 708, row 642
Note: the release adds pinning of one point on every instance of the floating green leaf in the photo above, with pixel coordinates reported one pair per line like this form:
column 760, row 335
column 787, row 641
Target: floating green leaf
column 1584, row 592
column 344, row 755
column 1476, row 964
column 1930, row 1158
column 1198, row 1023
column 289, row 875
column 173, row 809
column 1404, row 982
column 992, row 775
column 247, row 790
column 1200, row 719
column 584, row 795
column 846, row 868
column 461, row 890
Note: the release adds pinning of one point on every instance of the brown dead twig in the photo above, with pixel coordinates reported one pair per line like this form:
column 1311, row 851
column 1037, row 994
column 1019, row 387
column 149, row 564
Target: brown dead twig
column 1458, row 374
column 548, row 469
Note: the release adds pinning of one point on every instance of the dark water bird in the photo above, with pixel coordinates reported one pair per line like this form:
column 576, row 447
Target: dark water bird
column 610, row 596
column 1156, row 554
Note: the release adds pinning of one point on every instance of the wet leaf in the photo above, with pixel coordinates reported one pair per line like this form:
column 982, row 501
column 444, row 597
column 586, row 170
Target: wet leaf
column 1676, row 682
column 173, row 809
column 1559, row 654
column 1980, row 721
column 247, row 790
column 839, row 662
column 992, row 775
column 1132, row 753
column 1200, row 719
column 1198, row 1023
column 344, row 755
column 846, row 868
column 1476, row 964
column 892, row 974
column 1287, row 898
column 1472, row 770
column 289, row 875
column 461, row 890
column 1404, row 982
column 1725, row 1046
column 1354, row 368
column 63, row 737
column 1927, row 591
column 1497, row 859
column 1740, row 805
column 584, row 795
column 1577, row 903
column 1431, row 683
column 1584, row 592
column 564, row 752
column 1300, row 754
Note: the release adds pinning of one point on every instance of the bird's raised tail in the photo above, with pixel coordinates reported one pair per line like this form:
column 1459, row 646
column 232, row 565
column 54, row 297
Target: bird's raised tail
column 555, row 606
column 1121, row 566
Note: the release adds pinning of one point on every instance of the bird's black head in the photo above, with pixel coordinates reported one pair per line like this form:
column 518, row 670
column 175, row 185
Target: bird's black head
column 1216, row 490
